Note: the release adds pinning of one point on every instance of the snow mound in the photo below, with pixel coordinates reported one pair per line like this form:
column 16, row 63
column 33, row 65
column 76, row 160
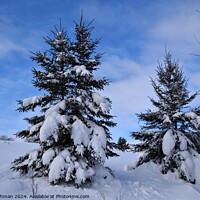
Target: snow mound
column 143, row 183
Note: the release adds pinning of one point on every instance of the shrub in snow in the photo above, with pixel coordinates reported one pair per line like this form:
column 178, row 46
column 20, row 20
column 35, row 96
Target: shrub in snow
column 73, row 128
column 6, row 138
column 170, row 135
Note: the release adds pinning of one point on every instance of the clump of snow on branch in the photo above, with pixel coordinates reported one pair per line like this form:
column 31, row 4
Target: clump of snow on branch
column 58, row 165
column 64, row 161
column 80, row 133
column 194, row 119
column 92, row 138
column 56, row 108
column 50, row 75
column 31, row 100
column 53, row 119
column 81, row 70
column 35, row 128
column 168, row 143
column 60, row 56
column 32, row 156
column 183, row 141
column 178, row 114
column 48, row 156
column 103, row 102
column 166, row 119
column 191, row 115
column 82, row 172
column 98, row 141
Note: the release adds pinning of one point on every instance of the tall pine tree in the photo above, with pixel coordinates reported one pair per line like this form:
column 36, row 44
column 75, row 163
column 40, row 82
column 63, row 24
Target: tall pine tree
column 73, row 128
column 170, row 135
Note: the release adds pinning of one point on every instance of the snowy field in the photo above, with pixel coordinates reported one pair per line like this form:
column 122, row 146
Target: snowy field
column 144, row 183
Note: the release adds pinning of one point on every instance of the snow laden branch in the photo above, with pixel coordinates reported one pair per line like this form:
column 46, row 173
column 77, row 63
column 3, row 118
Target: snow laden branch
column 30, row 103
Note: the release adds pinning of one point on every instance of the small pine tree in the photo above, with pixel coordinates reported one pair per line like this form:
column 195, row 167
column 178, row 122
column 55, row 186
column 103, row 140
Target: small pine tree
column 73, row 128
column 6, row 138
column 170, row 135
column 122, row 144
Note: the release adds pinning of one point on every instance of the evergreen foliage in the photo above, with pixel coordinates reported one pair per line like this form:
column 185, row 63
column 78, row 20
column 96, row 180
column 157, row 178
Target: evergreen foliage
column 169, row 135
column 73, row 128
column 122, row 144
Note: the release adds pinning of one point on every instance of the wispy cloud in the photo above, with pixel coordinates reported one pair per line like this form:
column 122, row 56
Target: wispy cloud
column 176, row 27
column 8, row 47
column 128, row 90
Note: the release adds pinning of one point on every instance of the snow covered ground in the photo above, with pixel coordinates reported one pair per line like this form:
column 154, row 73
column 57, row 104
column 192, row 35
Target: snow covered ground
column 144, row 183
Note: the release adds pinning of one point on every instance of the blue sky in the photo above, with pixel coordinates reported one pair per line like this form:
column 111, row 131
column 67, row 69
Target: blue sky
column 134, row 35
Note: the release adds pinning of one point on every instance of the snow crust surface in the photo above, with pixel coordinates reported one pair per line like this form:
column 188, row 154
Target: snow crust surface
column 144, row 183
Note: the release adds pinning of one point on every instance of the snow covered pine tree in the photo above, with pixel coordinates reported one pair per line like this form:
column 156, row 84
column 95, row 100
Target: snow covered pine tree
column 122, row 144
column 170, row 135
column 73, row 128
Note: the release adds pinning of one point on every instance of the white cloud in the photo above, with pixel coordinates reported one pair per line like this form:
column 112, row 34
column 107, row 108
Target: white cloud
column 131, row 85
column 128, row 91
column 8, row 46
column 176, row 27
column 118, row 67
